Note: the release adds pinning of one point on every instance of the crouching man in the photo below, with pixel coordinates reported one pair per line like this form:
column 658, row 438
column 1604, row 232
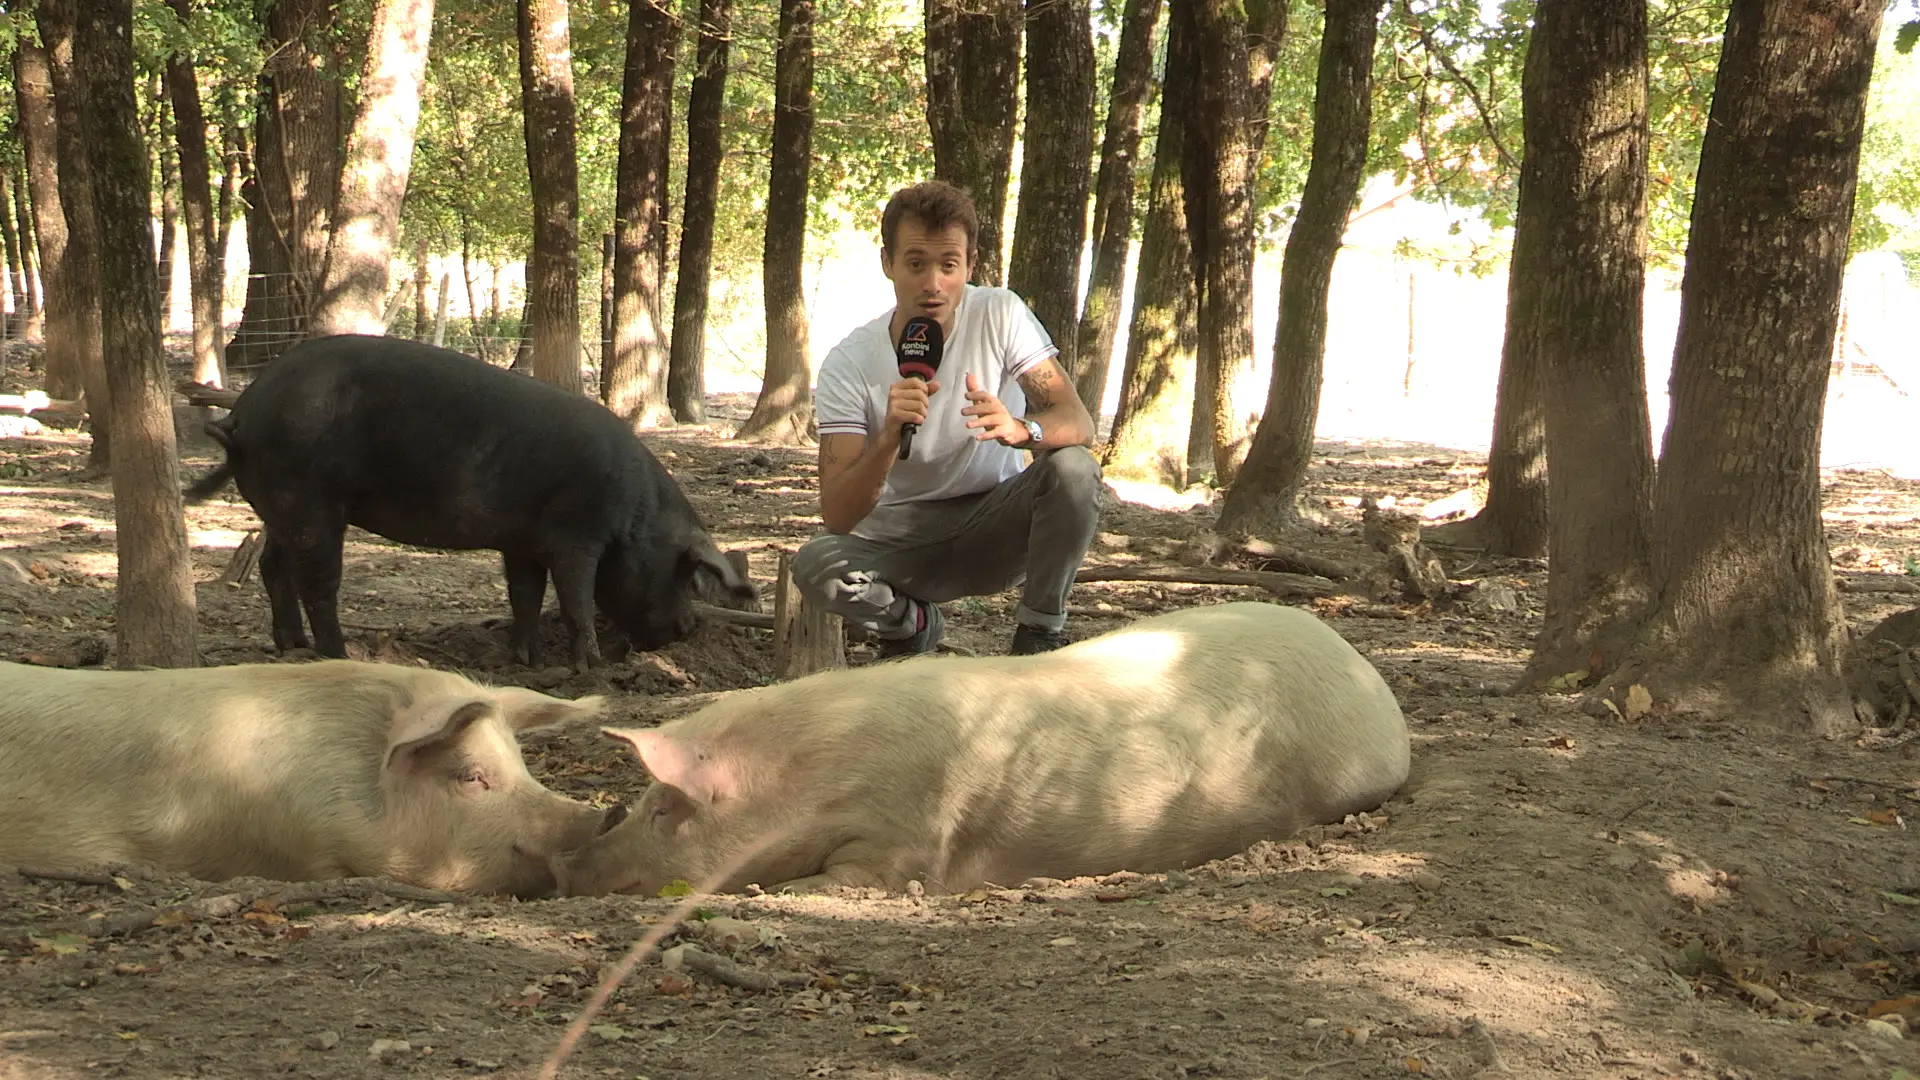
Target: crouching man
column 963, row 514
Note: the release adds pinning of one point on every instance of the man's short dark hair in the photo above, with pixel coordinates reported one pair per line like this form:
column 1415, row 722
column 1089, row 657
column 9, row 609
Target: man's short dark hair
column 937, row 204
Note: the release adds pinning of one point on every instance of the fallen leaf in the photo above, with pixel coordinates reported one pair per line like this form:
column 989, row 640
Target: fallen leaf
column 128, row 1036
column 134, row 969
column 264, row 918
column 610, row 1032
column 175, row 917
column 1414, row 1064
column 674, row 985
column 1908, row 1007
column 1818, row 786
column 1062, row 942
column 1900, row 898
column 676, row 887
column 1570, row 681
column 1639, row 702
column 1516, row 939
column 1888, row 816
column 60, row 944
column 872, row 1030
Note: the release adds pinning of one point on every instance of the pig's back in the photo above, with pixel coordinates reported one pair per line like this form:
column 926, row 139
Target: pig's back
column 1181, row 738
column 434, row 447
column 185, row 768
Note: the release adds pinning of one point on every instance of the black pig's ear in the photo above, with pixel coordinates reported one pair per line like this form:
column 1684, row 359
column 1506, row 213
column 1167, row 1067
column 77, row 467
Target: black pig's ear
column 718, row 580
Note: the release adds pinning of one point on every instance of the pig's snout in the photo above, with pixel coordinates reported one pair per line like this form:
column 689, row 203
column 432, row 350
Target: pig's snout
column 616, row 814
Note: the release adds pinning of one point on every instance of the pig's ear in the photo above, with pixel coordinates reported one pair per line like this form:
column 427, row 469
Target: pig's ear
column 685, row 764
column 526, row 709
column 411, row 746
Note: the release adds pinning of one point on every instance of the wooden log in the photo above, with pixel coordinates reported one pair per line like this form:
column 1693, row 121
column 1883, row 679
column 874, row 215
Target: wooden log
column 1274, row 581
column 244, row 558
column 759, row 620
column 806, row 639
column 1291, row 560
column 202, row 394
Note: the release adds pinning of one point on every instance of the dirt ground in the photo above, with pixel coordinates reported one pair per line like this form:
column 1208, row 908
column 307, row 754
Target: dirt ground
column 1554, row 894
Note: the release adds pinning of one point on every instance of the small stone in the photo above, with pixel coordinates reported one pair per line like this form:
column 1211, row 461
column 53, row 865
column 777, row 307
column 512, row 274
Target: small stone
column 386, row 1050
column 1884, row 1030
column 1424, row 880
column 325, row 1040
column 1314, row 1022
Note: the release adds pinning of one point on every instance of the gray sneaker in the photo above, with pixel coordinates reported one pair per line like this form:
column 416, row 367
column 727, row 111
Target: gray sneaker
column 928, row 623
column 1028, row 640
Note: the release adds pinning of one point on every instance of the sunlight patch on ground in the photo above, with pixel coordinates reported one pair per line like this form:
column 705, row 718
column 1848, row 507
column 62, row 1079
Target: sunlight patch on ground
column 215, row 538
column 1429, row 650
column 1512, row 989
column 1160, row 496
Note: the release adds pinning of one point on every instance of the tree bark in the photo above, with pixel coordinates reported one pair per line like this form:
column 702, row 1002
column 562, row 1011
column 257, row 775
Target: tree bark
column 196, row 197
column 294, row 180
column 1219, row 175
column 973, row 72
column 1745, row 619
column 1514, row 520
column 373, row 177
column 633, row 379
column 80, row 261
column 422, row 281
column 1113, row 202
column 784, row 412
column 39, row 139
column 153, row 594
column 1149, row 437
column 687, row 357
column 1050, row 230
column 553, row 274
column 1582, row 225
column 1266, row 495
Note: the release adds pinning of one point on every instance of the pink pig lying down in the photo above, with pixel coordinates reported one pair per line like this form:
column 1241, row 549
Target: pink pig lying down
column 1181, row 738
column 284, row 771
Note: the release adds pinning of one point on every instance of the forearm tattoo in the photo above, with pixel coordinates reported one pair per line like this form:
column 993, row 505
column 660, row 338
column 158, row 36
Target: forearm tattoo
column 1038, row 385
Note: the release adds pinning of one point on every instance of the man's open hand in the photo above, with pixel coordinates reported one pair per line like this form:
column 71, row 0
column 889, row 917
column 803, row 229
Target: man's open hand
column 989, row 418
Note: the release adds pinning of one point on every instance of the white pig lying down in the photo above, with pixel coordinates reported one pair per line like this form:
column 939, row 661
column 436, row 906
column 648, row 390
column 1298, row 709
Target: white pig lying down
column 284, row 771
column 1181, row 738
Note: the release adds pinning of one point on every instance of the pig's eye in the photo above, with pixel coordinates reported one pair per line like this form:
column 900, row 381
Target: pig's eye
column 473, row 777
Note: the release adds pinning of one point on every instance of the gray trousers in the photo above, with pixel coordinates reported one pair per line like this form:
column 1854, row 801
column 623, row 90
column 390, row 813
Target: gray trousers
column 1034, row 527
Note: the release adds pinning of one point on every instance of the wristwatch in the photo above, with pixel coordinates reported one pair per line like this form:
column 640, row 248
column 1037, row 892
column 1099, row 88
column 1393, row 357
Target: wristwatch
column 1034, row 433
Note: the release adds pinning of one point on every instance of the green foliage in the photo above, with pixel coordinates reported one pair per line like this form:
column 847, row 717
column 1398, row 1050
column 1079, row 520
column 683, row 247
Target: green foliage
column 1887, row 204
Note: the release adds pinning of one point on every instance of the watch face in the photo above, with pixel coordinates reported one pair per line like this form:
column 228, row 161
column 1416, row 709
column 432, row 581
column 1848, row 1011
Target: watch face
column 1033, row 430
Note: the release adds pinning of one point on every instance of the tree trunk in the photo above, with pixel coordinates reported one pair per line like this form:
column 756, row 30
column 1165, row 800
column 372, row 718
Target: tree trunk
column 1149, row 437
column 1113, row 202
column 16, row 322
column 422, row 281
column 169, row 209
column 1745, row 619
column 553, row 274
column 633, row 380
column 1219, row 174
column 1050, row 231
column 687, row 360
column 1582, row 225
column 373, row 177
column 196, row 197
column 80, row 276
column 153, row 594
column 973, row 72
column 28, row 267
column 784, row 412
column 1266, row 495
column 294, row 182
column 1514, row 520
column 39, row 138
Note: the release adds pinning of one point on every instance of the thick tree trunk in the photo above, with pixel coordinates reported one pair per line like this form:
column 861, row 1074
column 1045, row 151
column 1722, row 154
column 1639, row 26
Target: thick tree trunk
column 1113, row 202
column 153, row 595
column 686, row 359
column 28, row 267
column 1745, row 619
column 1149, row 437
column 373, row 177
column 196, row 197
column 553, row 274
column 784, row 412
column 1514, row 520
column 39, row 138
column 80, row 275
column 1582, row 222
column 1050, row 230
column 633, row 381
column 294, row 181
column 1219, row 174
column 1266, row 495
column 973, row 72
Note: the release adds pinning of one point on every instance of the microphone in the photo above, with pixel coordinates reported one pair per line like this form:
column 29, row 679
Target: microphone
column 918, row 355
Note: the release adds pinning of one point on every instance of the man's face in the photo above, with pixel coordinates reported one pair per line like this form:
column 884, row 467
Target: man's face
column 929, row 269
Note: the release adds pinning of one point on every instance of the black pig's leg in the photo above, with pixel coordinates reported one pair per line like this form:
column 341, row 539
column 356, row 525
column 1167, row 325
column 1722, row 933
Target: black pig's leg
column 316, row 545
column 526, row 590
column 283, row 593
column 573, row 575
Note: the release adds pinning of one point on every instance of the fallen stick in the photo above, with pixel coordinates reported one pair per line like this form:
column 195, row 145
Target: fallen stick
column 1296, row 561
column 721, row 969
column 1876, row 583
column 105, row 881
column 1274, row 581
column 227, row 905
column 198, row 393
column 755, row 619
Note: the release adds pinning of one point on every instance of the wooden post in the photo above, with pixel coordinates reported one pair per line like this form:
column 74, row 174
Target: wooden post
column 806, row 639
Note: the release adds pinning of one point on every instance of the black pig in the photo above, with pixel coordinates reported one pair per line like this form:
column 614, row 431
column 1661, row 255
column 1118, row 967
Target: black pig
column 432, row 447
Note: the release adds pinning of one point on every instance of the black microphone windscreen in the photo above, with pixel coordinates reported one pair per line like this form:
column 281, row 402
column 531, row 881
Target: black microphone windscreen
column 919, row 348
